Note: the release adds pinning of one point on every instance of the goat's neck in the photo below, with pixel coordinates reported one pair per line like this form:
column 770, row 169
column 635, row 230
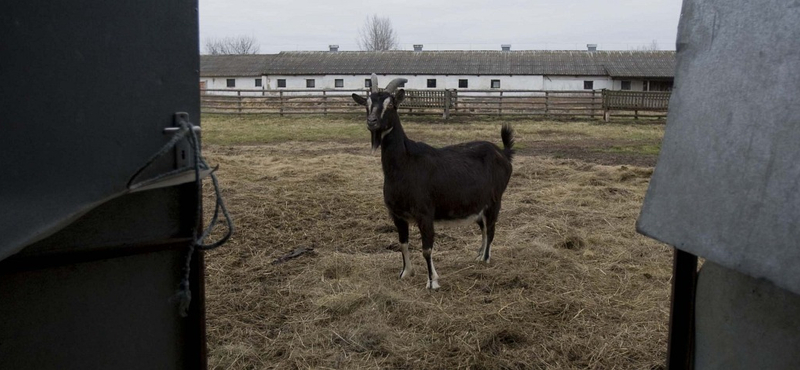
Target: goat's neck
column 393, row 148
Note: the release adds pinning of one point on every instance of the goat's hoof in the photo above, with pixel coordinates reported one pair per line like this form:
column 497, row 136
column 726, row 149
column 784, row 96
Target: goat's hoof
column 432, row 285
column 406, row 273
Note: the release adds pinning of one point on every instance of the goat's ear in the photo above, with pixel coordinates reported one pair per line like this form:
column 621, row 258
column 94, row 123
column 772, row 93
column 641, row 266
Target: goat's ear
column 359, row 99
column 398, row 97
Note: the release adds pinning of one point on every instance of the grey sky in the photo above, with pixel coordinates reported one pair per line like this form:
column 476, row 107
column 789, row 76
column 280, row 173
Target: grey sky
column 447, row 25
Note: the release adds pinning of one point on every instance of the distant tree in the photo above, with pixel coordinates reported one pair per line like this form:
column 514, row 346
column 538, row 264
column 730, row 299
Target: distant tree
column 653, row 45
column 377, row 34
column 232, row 45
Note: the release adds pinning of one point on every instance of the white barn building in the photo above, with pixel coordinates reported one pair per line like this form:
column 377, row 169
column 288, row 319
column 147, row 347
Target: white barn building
column 462, row 70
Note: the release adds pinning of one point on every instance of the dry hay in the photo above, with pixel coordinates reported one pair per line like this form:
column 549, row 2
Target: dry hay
column 570, row 286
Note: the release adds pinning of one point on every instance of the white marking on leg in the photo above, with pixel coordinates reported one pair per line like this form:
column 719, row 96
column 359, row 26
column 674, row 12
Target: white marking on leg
column 483, row 239
column 433, row 282
column 407, row 270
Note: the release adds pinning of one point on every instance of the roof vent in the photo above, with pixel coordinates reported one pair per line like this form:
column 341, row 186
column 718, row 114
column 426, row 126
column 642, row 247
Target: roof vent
column 591, row 47
column 506, row 47
column 334, row 47
column 417, row 47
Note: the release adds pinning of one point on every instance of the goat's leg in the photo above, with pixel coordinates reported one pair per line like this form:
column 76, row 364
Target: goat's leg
column 426, row 229
column 491, row 219
column 402, row 232
column 481, row 224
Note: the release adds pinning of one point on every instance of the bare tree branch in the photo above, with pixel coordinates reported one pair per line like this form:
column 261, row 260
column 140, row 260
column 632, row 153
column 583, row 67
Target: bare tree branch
column 232, row 45
column 377, row 34
column 651, row 46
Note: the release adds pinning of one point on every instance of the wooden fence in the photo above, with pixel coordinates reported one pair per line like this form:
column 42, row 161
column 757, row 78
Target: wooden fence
column 636, row 101
column 580, row 103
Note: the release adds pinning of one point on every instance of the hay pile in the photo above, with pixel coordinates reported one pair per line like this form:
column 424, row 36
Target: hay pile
column 570, row 285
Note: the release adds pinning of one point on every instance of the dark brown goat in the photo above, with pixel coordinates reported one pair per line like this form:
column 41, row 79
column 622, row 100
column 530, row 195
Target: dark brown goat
column 423, row 184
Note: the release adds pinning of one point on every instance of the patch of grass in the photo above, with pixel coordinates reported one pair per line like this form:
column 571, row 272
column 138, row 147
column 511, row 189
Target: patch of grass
column 266, row 129
column 652, row 149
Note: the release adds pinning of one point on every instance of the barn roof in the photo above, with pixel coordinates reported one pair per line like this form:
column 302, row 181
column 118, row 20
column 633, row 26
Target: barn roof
column 233, row 65
column 528, row 62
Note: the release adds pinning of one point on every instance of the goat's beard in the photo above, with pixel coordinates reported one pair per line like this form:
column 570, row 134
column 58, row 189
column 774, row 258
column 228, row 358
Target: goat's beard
column 376, row 139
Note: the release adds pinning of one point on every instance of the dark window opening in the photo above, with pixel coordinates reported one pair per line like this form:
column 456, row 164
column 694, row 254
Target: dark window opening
column 495, row 84
column 588, row 85
column 339, row 82
column 258, row 82
column 231, row 82
column 431, row 83
column 463, row 84
column 367, row 83
column 281, row 82
column 310, row 83
column 660, row 86
column 626, row 85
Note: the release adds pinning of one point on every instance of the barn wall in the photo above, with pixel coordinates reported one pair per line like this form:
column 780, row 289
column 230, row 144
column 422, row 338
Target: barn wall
column 576, row 82
column 483, row 82
column 327, row 82
column 636, row 85
column 246, row 83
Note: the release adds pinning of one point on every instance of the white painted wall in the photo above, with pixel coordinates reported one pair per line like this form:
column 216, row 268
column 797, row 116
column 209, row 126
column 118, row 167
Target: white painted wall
column 576, row 82
column 483, row 82
column 242, row 83
column 327, row 82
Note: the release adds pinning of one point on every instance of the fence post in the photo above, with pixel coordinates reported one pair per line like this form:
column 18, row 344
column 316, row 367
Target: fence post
column 324, row 103
column 239, row 100
column 500, row 105
column 280, row 107
column 594, row 95
column 546, row 104
column 446, row 104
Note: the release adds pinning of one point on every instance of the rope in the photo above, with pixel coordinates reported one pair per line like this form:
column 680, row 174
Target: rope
column 184, row 294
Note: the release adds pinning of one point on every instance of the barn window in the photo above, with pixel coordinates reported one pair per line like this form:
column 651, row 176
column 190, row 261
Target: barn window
column 463, row 84
column 258, row 82
column 339, row 82
column 495, row 84
column 367, row 83
column 310, row 83
column 588, row 85
column 281, row 82
column 431, row 83
column 626, row 85
column 231, row 82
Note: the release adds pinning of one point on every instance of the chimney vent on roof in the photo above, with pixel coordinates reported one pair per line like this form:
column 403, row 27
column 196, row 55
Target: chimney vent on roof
column 334, row 47
column 505, row 47
column 417, row 47
column 591, row 47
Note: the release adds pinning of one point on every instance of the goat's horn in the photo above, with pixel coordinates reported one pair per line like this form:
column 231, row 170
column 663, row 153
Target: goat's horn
column 392, row 86
column 374, row 84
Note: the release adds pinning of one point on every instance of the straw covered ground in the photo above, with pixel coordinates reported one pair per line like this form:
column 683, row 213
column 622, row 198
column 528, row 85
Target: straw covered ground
column 571, row 285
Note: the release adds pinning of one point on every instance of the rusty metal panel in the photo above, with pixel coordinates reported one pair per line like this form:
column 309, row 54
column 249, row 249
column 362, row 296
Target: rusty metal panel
column 727, row 183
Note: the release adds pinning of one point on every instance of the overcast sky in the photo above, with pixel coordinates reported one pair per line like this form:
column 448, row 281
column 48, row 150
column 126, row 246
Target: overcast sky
column 447, row 25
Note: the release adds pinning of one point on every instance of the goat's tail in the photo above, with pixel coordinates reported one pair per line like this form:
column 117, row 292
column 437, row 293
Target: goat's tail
column 507, row 133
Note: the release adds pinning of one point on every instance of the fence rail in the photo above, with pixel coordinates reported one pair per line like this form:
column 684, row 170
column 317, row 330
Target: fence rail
column 579, row 103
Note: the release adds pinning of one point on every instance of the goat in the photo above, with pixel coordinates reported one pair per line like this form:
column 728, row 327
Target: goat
column 423, row 184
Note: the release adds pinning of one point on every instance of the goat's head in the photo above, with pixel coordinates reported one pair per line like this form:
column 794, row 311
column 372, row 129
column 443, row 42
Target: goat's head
column 381, row 108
